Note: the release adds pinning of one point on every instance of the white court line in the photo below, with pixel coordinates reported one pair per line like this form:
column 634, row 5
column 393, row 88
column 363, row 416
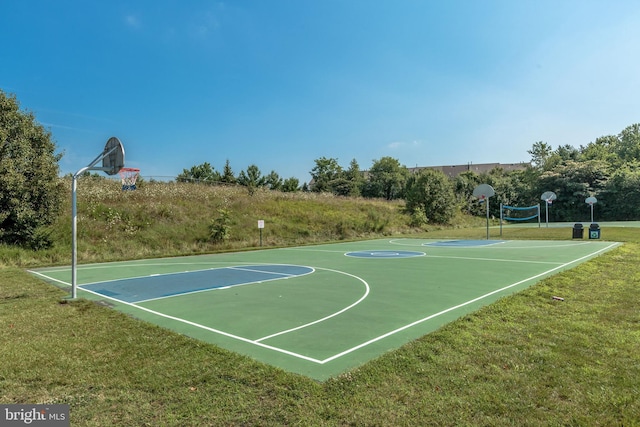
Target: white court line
column 417, row 322
column 359, row 346
column 507, row 246
column 197, row 325
column 303, row 249
column 110, row 266
column 524, row 261
column 44, row 276
column 426, row 255
column 236, row 337
column 366, row 285
column 275, row 273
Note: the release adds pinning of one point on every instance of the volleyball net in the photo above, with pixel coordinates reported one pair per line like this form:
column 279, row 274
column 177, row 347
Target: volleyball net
column 519, row 214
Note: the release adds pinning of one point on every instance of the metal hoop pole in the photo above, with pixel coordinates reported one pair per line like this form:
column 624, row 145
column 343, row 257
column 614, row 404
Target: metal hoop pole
column 487, row 218
column 74, row 231
column 74, row 221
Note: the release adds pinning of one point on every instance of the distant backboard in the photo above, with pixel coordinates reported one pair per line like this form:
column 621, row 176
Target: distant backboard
column 483, row 191
column 548, row 196
column 113, row 159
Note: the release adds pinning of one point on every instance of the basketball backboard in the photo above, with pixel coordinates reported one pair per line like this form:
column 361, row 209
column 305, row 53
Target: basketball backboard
column 483, row 191
column 548, row 196
column 113, row 159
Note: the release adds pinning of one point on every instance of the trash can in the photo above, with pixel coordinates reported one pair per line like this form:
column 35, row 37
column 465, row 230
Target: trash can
column 594, row 231
column 578, row 231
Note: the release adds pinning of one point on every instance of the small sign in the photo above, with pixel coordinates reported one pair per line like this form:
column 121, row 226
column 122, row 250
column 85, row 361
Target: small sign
column 261, row 223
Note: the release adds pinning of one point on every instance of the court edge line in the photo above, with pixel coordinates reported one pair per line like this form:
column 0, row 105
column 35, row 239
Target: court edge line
column 341, row 354
column 461, row 305
column 229, row 335
column 197, row 325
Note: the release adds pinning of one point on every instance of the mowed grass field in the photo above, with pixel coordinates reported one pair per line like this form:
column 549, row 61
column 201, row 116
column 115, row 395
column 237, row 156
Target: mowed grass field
column 523, row 360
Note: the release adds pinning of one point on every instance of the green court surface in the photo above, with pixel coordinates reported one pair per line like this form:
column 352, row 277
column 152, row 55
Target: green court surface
column 322, row 310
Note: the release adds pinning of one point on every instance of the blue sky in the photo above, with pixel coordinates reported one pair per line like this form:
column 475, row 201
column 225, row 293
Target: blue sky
column 281, row 83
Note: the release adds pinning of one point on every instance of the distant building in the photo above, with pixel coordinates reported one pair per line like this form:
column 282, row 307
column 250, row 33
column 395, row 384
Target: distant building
column 455, row 170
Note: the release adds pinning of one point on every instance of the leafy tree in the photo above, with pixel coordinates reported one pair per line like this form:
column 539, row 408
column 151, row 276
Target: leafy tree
column 387, row 179
column 573, row 182
column 620, row 199
column 603, row 148
column 290, row 185
column 430, row 195
column 628, row 147
column 355, row 179
column 273, row 181
column 201, row 173
column 341, row 186
column 540, row 152
column 324, row 173
column 252, row 178
column 31, row 193
column 562, row 154
column 463, row 188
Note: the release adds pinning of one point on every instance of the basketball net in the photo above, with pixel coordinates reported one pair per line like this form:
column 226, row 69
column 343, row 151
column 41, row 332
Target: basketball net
column 129, row 176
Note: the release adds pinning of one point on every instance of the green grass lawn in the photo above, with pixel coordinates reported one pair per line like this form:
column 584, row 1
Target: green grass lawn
column 524, row 360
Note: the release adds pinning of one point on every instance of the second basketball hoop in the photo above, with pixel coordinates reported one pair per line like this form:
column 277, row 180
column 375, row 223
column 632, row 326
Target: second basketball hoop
column 129, row 177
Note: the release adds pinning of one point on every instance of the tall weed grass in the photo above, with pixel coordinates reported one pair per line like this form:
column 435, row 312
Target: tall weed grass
column 168, row 219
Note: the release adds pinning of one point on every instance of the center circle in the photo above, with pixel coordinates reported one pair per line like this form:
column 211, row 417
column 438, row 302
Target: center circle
column 384, row 254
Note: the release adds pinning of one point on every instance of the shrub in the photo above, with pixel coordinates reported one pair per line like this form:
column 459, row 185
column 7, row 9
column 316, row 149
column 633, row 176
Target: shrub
column 220, row 227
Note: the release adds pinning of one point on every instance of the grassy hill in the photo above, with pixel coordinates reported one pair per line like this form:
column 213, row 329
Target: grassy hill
column 165, row 219
column 521, row 361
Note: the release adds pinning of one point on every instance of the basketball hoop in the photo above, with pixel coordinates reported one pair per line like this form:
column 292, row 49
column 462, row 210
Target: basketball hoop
column 129, row 177
column 483, row 192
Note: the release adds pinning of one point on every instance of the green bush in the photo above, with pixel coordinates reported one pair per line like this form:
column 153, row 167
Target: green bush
column 220, row 227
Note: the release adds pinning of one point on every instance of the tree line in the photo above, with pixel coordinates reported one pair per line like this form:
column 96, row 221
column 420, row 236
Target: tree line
column 607, row 168
column 252, row 177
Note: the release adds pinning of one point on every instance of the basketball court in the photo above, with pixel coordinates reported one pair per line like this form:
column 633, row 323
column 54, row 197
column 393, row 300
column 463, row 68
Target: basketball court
column 322, row 310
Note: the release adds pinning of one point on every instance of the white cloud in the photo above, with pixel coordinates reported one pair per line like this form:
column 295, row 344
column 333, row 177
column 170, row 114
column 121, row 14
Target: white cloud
column 396, row 145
